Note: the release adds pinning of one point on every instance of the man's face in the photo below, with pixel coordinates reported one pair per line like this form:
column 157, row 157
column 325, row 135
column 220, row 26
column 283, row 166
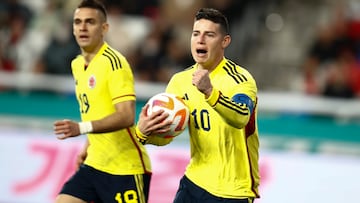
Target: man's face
column 89, row 28
column 208, row 43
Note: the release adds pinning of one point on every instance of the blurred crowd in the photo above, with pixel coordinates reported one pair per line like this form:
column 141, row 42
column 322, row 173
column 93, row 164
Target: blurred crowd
column 332, row 65
column 36, row 36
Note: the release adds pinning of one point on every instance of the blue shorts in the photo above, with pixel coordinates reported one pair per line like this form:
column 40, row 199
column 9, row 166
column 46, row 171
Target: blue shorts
column 188, row 192
column 95, row 186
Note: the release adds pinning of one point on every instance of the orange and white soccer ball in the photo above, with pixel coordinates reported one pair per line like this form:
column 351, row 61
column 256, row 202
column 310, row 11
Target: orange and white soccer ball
column 175, row 107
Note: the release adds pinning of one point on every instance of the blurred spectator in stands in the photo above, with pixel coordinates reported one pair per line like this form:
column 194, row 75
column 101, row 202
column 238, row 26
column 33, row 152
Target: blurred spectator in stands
column 343, row 78
column 325, row 68
column 175, row 55
column 56, row 57
column 355, row 78
column 51, row 30
column 179, row 13
column 161, row 55
column 244, row 17
column 46, row 21
column 165, row 48
column 4, row 23
column 15, row 19
column 148, row 8
column 233, row 9
column 354, row 24
column 338, row 82
column 354, row 33
column 147, row 56
column 127, row 31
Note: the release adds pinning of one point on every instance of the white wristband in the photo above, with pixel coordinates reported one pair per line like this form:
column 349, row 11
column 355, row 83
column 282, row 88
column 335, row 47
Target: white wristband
column 85, row 127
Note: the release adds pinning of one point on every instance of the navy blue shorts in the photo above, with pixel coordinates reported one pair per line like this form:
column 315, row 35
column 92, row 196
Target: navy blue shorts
column 95, row 186
column 188, row 192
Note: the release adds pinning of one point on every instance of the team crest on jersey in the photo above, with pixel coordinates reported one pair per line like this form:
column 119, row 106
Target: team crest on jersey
column 92, row 81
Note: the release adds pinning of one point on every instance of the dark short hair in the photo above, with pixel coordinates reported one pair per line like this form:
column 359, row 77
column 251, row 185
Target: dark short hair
column 94, row 4
column 215, row 16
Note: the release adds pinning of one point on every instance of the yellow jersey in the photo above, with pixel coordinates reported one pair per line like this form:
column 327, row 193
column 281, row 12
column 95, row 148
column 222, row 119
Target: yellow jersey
column 99, row 85
column 223, row 130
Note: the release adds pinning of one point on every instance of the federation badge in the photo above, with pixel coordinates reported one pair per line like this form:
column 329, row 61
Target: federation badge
column 92, row 82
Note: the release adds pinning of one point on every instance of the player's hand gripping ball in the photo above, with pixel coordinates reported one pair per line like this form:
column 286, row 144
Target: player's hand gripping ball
column 175, row 107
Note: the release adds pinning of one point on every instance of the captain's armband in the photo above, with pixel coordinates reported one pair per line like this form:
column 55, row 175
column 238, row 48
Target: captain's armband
column 244, row 99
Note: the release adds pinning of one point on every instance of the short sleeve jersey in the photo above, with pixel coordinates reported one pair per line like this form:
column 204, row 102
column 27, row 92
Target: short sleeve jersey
column 99, row 85
column 223, row 134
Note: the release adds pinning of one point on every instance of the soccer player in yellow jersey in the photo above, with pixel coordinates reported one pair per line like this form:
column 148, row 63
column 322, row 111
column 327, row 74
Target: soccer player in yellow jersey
column 222, row 99
column 114, row 167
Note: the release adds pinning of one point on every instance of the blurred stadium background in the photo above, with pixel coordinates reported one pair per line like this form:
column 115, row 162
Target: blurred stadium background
column 310, row 142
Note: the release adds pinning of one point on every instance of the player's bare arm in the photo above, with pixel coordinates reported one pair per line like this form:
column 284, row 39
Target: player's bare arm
column 123, row 117
column 82, row 155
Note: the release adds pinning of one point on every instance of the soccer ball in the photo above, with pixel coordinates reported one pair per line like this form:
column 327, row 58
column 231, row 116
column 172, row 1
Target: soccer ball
column 175, row 107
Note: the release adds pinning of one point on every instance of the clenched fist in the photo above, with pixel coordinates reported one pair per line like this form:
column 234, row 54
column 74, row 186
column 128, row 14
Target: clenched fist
column 201, row 81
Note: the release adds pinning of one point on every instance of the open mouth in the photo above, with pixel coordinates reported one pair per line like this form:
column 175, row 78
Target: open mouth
column 201, row 51
column 83, row 36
